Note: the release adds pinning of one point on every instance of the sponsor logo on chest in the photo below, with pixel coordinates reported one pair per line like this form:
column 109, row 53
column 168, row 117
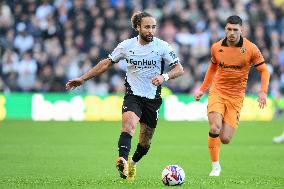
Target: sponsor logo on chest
column 144, row 63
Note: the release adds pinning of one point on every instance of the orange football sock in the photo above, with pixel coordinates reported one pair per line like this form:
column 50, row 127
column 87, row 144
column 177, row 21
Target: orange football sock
column 214, row 144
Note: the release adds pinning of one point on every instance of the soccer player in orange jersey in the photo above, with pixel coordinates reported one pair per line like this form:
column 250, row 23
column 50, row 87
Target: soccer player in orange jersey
column 227, row 75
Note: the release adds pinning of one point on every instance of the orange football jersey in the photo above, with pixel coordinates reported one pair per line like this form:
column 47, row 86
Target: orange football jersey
column 233, row 66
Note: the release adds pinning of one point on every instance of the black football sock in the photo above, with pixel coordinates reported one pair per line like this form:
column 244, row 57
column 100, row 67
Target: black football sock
column 124, row 145
column 140, row 152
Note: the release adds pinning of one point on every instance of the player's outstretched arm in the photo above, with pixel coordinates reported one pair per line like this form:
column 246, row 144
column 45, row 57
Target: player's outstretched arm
column 72, row 84
column 100, row 68
column 262, row 69
column 176, row 71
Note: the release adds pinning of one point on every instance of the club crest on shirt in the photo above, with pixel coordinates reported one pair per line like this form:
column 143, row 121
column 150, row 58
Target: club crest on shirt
column 242, row 50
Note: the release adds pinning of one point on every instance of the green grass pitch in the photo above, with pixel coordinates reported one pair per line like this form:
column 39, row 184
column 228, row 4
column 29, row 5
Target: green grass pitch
column 82, row 155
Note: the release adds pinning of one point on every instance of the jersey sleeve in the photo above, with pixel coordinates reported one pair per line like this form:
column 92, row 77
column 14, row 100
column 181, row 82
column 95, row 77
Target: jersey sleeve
column 117, row 54
column 170, row 56
column 256, row 58
column 213, row 55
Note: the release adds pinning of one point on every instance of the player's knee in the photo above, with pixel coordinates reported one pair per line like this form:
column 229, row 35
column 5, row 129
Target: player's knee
column 225, row 139
column 129, row 128
column 215, row 128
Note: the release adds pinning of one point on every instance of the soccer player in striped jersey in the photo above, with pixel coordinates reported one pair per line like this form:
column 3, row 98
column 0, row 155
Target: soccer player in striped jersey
column 227, row 75
column 146, row 57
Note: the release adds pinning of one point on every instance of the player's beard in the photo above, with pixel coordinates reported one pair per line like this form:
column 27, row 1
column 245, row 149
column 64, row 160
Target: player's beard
column 232, row 38
column 147, row 38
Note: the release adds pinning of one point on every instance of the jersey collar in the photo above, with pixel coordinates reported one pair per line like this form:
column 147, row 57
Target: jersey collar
column 240, row 43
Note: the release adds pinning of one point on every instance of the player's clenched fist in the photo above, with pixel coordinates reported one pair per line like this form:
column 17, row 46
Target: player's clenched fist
column 158, row 80
column 197, row 95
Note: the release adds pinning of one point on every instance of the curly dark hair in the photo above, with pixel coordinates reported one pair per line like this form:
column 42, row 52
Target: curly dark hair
column 137, row 18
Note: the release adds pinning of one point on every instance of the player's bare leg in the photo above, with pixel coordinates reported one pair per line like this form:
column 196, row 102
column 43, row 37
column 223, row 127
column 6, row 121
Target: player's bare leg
column 145, row 136
column 227, row 133
column 129, row 122
column 215, row 122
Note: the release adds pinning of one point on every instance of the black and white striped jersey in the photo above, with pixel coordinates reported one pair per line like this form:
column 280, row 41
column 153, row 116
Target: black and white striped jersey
column 143, row 63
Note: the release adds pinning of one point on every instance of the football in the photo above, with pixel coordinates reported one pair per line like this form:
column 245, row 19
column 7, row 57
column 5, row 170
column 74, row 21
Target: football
column 173, row 175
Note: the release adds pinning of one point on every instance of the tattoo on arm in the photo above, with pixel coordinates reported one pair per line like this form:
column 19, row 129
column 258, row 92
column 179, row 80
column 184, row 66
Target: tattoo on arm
column 176, row 71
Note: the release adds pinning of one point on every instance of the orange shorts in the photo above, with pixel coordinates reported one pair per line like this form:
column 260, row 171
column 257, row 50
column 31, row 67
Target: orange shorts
column 225, row 108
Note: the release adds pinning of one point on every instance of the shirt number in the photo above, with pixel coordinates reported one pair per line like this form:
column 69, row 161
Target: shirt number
column 173, row 55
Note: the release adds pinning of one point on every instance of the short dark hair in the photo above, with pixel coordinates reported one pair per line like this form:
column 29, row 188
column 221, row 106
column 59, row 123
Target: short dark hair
column 234, row 19
column 137, row 18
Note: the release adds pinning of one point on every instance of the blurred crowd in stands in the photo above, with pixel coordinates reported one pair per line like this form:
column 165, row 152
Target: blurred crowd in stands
column 44, row 43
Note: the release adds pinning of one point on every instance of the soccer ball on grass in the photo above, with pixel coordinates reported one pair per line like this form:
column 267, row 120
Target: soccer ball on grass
column 173, row 175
